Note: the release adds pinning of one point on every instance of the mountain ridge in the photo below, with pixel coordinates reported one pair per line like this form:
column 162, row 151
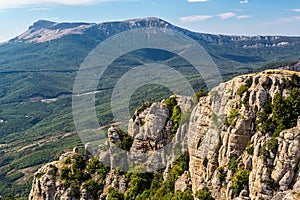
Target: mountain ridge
column 72, row 27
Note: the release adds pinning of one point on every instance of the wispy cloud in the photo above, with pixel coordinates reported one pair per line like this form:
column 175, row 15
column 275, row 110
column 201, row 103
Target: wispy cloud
column 291, row 19
column 244, row 1
column 197, row 0
column 195, row 18
column 227, row 15
column 243, row 16
column 27, row 3
column 223, row 16
column 38, row 9
column 284, row 20
column 296, row 10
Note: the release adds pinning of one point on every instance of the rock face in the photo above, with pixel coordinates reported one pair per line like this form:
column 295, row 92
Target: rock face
column 183, row 182
column 228, row 153
column 43, row 186
column 210, row 140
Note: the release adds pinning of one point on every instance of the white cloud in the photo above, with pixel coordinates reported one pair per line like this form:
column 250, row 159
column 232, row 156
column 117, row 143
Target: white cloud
column 223, row 16
column 243, row 16
column 197, row 0
column 244, row 1
column 227, row 15
column 291, row 19
column 38, row 9
column 195, row 18
column 296, row 10
column 284, row 20
column 22, row 3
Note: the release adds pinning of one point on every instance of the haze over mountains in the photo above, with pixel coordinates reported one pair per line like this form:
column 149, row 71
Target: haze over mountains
column 42, row 63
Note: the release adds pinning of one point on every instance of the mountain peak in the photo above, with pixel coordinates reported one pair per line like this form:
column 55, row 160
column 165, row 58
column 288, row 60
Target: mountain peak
column 43, row 31
column 45, row 24
column 146, row 19
column 42, row 24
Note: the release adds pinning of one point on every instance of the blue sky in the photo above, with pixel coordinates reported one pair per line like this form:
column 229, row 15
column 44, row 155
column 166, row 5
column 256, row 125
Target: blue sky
column 233, row 17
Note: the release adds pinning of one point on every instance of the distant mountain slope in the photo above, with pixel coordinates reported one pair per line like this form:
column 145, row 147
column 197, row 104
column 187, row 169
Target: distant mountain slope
column 49, row 47
column 42, row 63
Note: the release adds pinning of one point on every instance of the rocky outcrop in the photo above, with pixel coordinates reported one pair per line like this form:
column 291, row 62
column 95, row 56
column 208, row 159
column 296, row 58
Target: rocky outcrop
column 228, row 153
column 152, row 148
column 183, row 182
column 218, row 135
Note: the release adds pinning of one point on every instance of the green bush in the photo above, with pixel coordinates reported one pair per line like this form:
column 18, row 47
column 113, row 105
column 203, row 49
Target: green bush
column 80, row 175
column 65, row 173
column 126, row 140
column 280, row 115
column 200, row 93
column 171, row 102
column 233, row 164
column 166, row 188
column 242, row 89
column 67, row 160
column 74, row 190
column 174, row 112
column 270, row 145
column 240, row 181
column 155, row 185
column 264, row 123
column 94, row 188
column 222, row 174
column 79, row 161
column 114, row 194
column 204, row 194
column 250, row 150
column 286, row 110
column 176, row 118
column 95, row 166
column 245, row 100
column 138, row 182
column 186, row 195
column 234, row 113
column 249, row 82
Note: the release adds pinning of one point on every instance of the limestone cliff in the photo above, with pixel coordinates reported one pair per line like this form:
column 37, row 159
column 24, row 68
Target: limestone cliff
column 237, row 144
column 242, row 140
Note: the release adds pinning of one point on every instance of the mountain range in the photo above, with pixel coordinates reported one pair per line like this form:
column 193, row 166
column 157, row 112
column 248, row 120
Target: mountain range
column 38, row 68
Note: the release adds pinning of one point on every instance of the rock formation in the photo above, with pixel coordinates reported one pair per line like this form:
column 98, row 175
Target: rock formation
column 229, row 153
